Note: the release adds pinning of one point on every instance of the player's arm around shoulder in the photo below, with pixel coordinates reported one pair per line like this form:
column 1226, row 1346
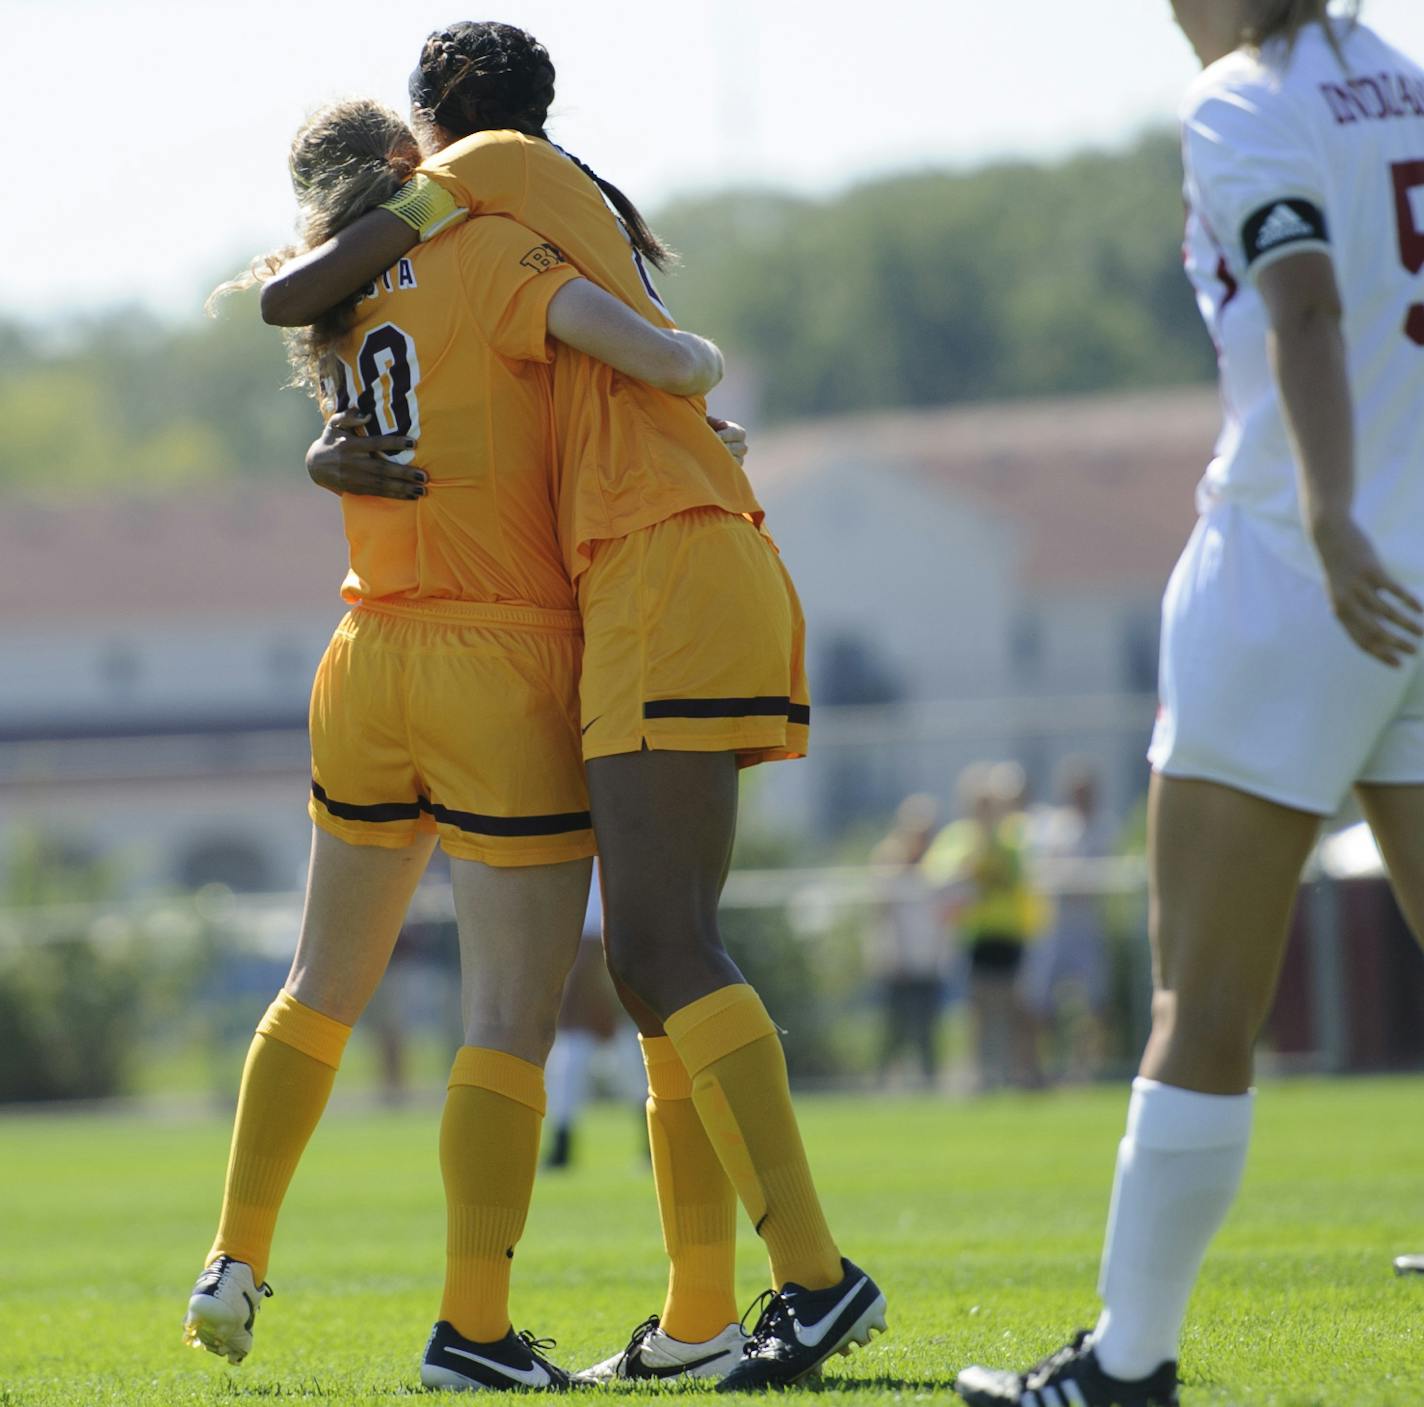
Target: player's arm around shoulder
column 585, row 317
column 306, row 287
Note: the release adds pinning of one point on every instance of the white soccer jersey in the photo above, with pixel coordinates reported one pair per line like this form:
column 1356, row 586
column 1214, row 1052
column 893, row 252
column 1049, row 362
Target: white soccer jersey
column 1284, row 154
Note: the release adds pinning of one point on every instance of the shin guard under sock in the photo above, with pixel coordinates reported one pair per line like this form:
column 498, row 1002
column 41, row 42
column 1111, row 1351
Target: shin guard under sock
column 489, row 1154
column 731, row 1050
column 290, row 1068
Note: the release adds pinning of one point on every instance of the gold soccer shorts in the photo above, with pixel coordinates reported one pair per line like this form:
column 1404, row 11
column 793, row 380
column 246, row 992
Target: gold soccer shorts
column 454, row 718
column 693, row 642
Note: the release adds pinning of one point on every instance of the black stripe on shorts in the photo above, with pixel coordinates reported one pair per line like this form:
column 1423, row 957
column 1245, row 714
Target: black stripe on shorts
column 382, row 811
column 561, row 824
column 502, row 826
column 763, row 706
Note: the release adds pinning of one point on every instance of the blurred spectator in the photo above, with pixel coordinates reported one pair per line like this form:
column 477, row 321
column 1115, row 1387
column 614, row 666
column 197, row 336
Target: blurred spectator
column 1066, row 976
column 421, row 989
column 591, row 1022
column 909, row 943
column 979, row 863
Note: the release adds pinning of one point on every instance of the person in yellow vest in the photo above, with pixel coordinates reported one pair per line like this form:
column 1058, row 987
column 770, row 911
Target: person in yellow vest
column 979, row 863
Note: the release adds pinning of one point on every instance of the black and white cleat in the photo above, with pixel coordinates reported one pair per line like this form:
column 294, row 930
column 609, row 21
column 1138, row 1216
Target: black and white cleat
column 516, row 1361
column 799, row 1329
column 223, row 1308
column 1409, row 1265
column 1070, row 1377
column 652, row 1353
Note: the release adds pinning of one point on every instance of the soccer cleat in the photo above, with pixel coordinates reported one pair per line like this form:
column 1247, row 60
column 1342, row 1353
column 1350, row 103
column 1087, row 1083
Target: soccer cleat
column 799, row 1329
column 1409, row 1265
column 1070, row 1377
column 652, row 1353
column 223, row 1308
column 514, row 1362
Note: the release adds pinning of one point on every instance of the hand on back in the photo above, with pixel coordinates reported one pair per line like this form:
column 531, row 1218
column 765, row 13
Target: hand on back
column 344, row 459
column 732, row 435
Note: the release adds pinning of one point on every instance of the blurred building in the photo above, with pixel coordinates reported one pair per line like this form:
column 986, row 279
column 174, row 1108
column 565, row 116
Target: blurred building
column 1015, row 551
column 158, row 654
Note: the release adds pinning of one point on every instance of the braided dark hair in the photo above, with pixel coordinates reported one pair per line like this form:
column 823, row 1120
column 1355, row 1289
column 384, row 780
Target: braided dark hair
column 482, row 76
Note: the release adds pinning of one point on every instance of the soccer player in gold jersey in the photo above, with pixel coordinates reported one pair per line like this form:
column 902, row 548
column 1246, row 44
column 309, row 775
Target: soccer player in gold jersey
column 445, row 709
column 693, row 665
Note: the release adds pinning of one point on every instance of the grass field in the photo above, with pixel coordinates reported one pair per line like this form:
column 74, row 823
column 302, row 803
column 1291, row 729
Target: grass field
column 982, row 1223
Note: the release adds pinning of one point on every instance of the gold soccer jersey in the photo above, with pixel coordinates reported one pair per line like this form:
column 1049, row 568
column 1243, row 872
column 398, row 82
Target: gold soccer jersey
column 630, row 456
column 447, row 700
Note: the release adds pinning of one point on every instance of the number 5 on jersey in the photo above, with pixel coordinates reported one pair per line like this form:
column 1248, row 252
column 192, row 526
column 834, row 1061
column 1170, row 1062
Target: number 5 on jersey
column 1408, row 178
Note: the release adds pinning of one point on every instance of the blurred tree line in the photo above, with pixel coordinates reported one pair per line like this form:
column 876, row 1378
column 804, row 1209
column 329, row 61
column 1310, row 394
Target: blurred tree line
column 919, row 289
column 927, row 289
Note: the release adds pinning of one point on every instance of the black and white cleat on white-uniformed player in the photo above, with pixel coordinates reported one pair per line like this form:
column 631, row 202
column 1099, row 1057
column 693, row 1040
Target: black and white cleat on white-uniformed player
column 653, row 1353
column 516, row 1361
column 799, row 1329
column 223, row 1308
column 1071, row 1377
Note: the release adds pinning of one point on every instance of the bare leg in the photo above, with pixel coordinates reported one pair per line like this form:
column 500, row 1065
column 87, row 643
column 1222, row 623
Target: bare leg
column 1224, row 868
column 665, row 823
column 357, row 896
column 991, row 1000
column 1223, row 872
column 519, row 935
column 356, row 899
column 519, row 932
column 1396, row 815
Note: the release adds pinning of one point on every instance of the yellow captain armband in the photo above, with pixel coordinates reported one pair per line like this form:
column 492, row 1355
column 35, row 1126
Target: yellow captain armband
column 426, row 206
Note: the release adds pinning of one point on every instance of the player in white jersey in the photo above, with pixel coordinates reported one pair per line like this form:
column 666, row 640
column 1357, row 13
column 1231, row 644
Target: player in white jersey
column 1290, row 667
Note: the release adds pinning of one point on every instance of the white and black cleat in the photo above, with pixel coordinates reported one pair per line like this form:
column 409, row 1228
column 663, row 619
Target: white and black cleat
column 1071, row 1377
column 652, row 1353
column 514, row 1363
column 799, row 1329
column 1409, row 1265
column 223, row 1308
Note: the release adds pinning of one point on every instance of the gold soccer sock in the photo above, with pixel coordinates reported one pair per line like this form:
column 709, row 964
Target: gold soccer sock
column 290, row 1068
column 730, row 1049
column 489, row 1153
column 696, row 1203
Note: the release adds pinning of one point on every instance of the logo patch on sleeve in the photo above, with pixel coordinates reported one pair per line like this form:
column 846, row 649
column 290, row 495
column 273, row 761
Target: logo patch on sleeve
column 542, row 258
column 1280, row 223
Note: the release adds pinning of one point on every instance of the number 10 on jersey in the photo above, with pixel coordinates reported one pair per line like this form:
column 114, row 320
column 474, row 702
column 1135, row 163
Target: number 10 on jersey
column 388, row 371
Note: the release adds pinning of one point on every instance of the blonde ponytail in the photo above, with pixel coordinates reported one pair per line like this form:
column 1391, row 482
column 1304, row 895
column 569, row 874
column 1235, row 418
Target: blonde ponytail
column 347, row 159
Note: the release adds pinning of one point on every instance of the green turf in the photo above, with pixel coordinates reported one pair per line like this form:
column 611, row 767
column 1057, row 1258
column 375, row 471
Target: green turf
column 982, row 1223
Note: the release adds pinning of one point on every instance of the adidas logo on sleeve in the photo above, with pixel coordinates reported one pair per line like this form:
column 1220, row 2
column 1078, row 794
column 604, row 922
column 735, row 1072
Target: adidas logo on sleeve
column 1280, row 223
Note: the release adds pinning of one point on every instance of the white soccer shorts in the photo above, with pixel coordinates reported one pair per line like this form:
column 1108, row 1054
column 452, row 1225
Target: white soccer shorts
column 1261, row 688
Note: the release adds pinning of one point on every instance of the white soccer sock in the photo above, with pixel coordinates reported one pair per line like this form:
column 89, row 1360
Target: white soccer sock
column 567, row 1077
column 1178, row 1168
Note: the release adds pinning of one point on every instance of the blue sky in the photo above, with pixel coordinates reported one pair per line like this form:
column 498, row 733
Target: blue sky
column 164, row 126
